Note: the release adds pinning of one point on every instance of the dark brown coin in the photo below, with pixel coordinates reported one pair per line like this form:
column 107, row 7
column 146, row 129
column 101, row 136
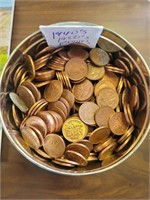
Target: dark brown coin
column 54, row 145
column 39, row 135
column 78, row 52
column 133, row 96
column 87, row 143
column 45, row 75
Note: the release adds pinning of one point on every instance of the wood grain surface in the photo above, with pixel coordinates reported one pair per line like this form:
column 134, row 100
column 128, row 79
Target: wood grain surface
column 20, row 179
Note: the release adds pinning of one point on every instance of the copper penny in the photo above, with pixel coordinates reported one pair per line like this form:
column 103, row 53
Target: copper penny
column 33, row 89
column 48, row 119
column 87, row 143
column 30, row 137
column 76, row 69
column 45, row 75
column 68, row 95
column 111, row 77
column 109, row 160
column 105, row 153
column 133, row 96
column 76, row 157
column 80, row 93
column 38, row 123
column 107, row 97
column 78, row 52
column 54, row 145
column 87, row 112
column 39, row 135
column 95, row 73
column 63, row 54
column 30, row 66
column 101, row 84
column 53, row 91
column 65, row 164
column 65, row 102
column 80, row 148
column 42, row 153
column 99, row 134
column 26, row 95
column 103, row 115
column 58, row 120
column 118, row 124
column 99, row 57
column 126, row 135
column 16, row 115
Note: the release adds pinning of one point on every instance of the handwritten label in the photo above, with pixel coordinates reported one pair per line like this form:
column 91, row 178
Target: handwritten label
column 57, row 36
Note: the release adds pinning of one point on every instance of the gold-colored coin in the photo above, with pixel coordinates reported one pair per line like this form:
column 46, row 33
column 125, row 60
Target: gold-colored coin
column 74, row 129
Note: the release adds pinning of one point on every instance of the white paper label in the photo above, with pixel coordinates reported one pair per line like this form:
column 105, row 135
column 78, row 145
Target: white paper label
column 57, row 36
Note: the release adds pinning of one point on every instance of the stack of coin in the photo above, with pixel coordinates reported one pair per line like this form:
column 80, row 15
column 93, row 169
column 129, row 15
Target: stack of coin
column 74, row 105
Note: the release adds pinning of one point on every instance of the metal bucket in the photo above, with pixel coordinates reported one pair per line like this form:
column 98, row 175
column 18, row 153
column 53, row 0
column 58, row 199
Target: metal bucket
column 28, row 45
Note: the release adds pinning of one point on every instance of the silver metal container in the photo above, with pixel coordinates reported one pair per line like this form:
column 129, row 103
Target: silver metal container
column 27, row 46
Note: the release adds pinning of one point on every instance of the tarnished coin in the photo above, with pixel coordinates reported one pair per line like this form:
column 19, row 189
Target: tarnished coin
column 107, row 97
column 18, row 102
column 76, row 157
column 95, row 73
column 74, row 129
column 30, row 137
column 80, row 148
column 99, row 134
column 87, row 112
column 54, row 145
column 26, row 95
column 53, row 91
column 118, row 124
column 99, row 57
column 76, row 69
column 103, row 115
column 17, row 115
column 45, row 75
column 79, row 91
column 29, row 64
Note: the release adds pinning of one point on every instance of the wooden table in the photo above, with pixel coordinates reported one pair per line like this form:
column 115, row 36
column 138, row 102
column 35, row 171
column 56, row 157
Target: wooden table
column 21, row 179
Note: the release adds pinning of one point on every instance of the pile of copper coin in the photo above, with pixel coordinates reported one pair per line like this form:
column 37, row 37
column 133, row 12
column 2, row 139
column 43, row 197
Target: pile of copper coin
column 74, row 105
